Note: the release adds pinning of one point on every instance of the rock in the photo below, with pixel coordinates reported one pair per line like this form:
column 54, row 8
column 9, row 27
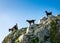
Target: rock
column 36, row 33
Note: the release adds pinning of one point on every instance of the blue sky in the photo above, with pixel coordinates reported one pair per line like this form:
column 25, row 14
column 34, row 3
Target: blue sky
column 18, row 11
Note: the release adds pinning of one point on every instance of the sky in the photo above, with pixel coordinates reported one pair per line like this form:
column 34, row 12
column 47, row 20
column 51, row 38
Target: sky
column 18, row 11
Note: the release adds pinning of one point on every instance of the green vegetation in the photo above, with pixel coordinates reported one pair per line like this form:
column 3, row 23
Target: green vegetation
column 35, row 40
column 17, row 41
column 53, row 31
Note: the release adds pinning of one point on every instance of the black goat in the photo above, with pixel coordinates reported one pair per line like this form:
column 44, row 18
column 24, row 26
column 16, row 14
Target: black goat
column 14, row 28
column 48, row 13
column 30, row 21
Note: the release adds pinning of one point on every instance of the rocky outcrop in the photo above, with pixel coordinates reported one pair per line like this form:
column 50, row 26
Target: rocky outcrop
column 42, row 32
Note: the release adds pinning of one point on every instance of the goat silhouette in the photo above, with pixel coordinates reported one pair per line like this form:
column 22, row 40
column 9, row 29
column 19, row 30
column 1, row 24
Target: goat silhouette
column 30, row 21
column 15, row 27
column 48, row 13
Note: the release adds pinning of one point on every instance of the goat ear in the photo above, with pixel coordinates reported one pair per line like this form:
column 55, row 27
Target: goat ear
column 27, row 20
column 45, row 11
column 9, row 30
column 51, row 12
column 16, row 23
